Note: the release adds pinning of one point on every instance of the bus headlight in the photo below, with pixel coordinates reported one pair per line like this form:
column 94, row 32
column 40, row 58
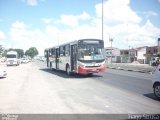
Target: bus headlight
column 103, row 64
column 81, row 64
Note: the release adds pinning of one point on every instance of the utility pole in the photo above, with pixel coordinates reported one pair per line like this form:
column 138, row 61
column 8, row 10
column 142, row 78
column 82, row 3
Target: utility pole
column 102, row 19
column 129, row 54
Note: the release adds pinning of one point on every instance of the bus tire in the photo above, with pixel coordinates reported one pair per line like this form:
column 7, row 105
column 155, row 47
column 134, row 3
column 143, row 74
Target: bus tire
column 68, row 70
column 50, row 66
column 90, row 74
column 157, row 90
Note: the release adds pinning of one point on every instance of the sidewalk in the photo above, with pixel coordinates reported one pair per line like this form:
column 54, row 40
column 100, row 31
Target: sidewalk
column 144, row 68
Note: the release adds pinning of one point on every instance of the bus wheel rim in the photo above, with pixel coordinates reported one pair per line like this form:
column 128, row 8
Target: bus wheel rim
column 68, row 70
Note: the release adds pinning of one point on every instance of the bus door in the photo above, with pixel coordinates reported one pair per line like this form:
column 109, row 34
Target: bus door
column 73, row 57
column 57, row 58
column 47, row 56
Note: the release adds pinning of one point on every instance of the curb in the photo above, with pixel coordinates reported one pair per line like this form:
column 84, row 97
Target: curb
column 134, row 70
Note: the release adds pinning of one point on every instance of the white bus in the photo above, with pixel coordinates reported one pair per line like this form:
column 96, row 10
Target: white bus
column 85, row 56
column 12, row 58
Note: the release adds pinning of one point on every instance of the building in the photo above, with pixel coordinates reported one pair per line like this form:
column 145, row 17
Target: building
column 115, row 55
column 141, row 52
column 158, row 41
column 152, row 52
column 112, row 55
column 124, row 54
column 132, row 55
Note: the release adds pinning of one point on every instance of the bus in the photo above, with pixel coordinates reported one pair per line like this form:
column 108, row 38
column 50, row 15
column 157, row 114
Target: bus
column 12, row 58
column 84, row 56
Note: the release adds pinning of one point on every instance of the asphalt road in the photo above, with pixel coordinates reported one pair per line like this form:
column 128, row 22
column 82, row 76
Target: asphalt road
column 32, row 88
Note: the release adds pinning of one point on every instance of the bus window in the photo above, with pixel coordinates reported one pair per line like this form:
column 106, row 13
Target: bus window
column 53, row 52
column 67, row 49
column 62, row 51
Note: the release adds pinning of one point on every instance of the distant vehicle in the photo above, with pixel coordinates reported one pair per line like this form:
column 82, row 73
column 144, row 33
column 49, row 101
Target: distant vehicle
column 154, row 61
column 24, row 60
column 3, row 73
column 3, row 59
column 12, row 58
column 42, row 59
column 156, row 82
column 85, row 56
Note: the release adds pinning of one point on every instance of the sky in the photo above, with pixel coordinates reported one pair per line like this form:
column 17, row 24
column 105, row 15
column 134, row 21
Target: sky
column 46, row 23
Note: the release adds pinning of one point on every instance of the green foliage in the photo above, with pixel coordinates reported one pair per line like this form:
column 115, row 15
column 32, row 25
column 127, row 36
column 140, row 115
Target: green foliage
column 32, row 52
column 1, row 51
column 4, row 53
column 20, row 52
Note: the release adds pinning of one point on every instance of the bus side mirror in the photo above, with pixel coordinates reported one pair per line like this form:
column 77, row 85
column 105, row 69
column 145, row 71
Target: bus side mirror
column 159, row 69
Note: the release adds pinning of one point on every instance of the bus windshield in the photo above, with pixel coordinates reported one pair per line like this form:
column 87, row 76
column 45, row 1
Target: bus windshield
column 11, row 56
column 90, row 52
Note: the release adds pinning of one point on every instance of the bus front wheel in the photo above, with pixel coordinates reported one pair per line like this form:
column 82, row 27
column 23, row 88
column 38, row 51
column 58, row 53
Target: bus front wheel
column 50, row 66
column 68, row 70
column 90, row 74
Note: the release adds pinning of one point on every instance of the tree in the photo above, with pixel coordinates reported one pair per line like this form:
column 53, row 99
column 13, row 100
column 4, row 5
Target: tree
column 32, row 52
column 20, row 52
column 1, row 50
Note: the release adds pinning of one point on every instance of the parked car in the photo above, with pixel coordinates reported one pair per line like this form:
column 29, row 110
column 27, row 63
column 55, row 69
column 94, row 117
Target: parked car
column 156, row 82
column 3, row 73
column 24, row 60
column 155, row 61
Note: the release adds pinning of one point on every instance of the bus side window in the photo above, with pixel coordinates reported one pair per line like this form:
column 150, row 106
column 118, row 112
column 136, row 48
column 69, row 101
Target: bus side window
column 67, row 50
column 53, row 52
column 50, row 52
column 61, row 51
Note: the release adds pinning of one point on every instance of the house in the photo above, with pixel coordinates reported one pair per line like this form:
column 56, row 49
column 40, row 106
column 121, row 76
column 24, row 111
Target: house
column 141, row 52
column 112, row 55
column 152, row 52
column 132, row 55
column 115, row 55
column 124, row 54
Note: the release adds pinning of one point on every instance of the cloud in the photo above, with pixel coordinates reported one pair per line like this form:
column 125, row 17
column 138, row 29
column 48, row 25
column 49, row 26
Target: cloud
column 47, row 20
column 123, row 24
column 19, row 31
column 117, row 12
column 23, row 36
column 120, row 22
column 2, row 35
column 32, row 2
column 2, row 38
column 19, row 25
column 73, row 20
column 150, row 14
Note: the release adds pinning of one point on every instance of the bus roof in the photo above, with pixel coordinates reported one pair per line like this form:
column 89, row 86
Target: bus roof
column 11, row 52
column 71, row 42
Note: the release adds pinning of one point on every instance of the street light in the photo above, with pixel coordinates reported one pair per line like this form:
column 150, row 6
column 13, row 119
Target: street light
column 102, row 19
column 111, row 40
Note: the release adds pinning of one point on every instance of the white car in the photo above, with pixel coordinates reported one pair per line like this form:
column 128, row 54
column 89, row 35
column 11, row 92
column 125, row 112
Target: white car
column 24, row 60
column 3, row 73
column 156, row 82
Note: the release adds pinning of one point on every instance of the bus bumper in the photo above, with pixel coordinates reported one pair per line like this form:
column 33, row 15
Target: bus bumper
column 84, row 70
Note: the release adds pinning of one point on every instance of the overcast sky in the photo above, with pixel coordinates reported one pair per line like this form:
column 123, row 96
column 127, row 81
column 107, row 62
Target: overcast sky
column 46, row 23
